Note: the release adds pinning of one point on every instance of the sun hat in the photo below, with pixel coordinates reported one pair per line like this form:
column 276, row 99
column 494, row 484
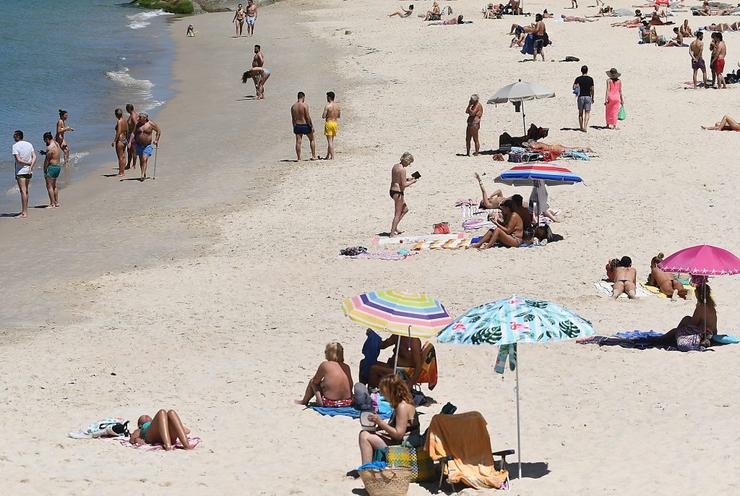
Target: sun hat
column 613, row 73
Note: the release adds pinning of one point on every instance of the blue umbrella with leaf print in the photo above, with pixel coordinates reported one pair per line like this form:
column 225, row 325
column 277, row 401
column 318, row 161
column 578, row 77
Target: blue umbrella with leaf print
column 506, row 322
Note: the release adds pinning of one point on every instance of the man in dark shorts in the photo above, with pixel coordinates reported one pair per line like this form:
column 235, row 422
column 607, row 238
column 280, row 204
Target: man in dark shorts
column 302, row 125
column 696, row 51
column 583, row 86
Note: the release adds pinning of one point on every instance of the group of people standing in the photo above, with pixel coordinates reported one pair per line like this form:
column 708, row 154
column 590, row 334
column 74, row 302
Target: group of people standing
column 303, row 125
column 718, row 50
column 134, row 138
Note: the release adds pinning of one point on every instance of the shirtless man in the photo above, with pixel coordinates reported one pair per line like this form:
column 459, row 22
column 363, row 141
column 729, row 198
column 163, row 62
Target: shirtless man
column 145, row 139
column 685, row 29
column 238, row 20
column 399, row 183
column 62, row 128
column 251, row 16
column 331, row 385
column 540, row 36
column 409, row 357
column 667, row 283
column 625, row 279
column 677, row 41
column 259, row 58
column 719, row 52
column 133, row 121
column 302, row 125
column 331, row 113
column 52, row 169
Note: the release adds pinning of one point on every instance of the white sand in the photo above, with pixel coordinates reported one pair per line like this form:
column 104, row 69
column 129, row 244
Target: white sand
column 238, row 288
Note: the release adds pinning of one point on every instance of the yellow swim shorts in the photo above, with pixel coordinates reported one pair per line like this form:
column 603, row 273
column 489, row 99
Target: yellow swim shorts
column 330, row 128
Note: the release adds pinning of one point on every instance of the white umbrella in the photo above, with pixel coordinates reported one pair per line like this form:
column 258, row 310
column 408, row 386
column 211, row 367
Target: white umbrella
column 521, row 91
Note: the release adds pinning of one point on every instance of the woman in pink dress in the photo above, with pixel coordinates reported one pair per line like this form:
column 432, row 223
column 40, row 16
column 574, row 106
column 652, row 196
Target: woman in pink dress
column 614, row 99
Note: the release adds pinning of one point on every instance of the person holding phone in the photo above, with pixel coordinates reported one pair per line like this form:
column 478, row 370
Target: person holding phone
column 399, row 183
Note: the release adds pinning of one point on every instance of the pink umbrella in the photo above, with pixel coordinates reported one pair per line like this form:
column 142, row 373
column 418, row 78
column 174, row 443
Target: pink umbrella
column 702, row 260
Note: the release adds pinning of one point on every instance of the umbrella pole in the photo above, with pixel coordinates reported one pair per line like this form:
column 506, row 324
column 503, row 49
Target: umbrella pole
column 524, row 120
column 398, row 348
column 518, row 431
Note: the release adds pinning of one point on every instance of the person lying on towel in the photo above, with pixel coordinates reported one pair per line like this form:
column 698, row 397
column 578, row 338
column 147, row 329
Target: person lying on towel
column 165, row 428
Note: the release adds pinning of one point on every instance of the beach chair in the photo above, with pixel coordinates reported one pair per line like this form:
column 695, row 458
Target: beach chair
column 428, row 373
column 461, row 447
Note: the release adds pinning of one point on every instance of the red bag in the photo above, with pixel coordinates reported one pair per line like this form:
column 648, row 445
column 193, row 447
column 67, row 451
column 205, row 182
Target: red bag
column 442, row 228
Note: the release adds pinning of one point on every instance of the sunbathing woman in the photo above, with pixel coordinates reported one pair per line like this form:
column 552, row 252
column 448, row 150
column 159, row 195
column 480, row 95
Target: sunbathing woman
column 403, row 12
column 450, row 22
column 403, row 422
column 509, row 234
column 489, row 201
column 702, row 323
column 570, row 18
column 667, row 283
column 331, row 385
column 165, row 428
column 726, row 124
column 625, row 279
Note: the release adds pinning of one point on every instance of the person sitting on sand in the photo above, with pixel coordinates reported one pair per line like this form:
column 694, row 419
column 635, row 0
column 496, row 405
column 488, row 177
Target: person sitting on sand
column 493, row 11
column 331, row 385
column 571, row 18
column 667, row 283
column 523, row 212
column 606, row 11
column 677, row 41
column 519, row 36
column 435, row 14
column 625, row 279
column 656, row 21
column 403, row 12
column 450, row 22
column 647, row 33
column 726, row 124
column 702, row 323
column 165, row 428
column 686, row 30
column 409, row 360
column 399, row 183
column 491, row 201
column 403, row 422
column 509, row 233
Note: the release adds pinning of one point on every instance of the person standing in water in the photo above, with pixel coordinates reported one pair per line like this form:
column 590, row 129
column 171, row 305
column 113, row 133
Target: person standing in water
column 62, row 128
column 52, row 169
column 332, row 112
column 120, row 140
column 145, row 141
column 133, row 121
column 251, row 17
column 302, row 125
column 238, row 20
column 25, row 159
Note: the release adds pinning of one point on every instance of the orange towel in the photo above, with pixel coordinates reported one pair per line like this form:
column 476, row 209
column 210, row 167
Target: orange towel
column 465, row 438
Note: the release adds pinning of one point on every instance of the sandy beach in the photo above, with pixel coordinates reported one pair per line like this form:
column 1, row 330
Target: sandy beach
column 214, row 289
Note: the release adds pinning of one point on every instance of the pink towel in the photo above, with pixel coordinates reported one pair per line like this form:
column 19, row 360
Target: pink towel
column 123, row 441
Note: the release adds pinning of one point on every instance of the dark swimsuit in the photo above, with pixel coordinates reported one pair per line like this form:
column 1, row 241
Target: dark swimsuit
column 394, row 193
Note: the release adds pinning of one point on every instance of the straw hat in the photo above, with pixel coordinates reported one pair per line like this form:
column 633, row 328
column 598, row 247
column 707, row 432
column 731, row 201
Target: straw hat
column 613, row 73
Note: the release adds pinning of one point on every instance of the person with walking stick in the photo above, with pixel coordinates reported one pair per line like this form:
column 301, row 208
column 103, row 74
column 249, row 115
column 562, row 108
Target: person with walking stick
column 146, row 141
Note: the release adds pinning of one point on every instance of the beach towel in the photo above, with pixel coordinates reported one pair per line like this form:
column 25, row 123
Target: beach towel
column 101, row 428
column 475, row 224
column 605, row 288
column 656, row 291
column 575, row 155
column 465, row 438
column 123, row 441
column 385, row 410
column 415, row 239
column 384, row 255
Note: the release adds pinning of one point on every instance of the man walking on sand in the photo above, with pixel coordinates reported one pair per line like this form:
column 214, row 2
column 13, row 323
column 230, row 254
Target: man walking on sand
column 145, row 141
column 52, row 169
column 331, row 113
column 133, row 121
column 302, row 125
column 583, row 86
column 259, row 58
column 251, row 17
column 696, row 51
column 25, row 159
column 541, row 40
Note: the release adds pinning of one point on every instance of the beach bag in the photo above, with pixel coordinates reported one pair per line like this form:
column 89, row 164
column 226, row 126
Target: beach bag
column 416, row 460
column 441, row 228
column 386, row 482
column 622, row 113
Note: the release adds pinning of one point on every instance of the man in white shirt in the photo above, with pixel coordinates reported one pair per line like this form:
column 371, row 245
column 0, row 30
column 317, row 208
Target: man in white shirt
column 25, row 159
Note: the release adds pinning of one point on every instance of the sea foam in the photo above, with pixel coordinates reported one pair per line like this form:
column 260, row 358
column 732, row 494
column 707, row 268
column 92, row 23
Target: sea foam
column 141, row 20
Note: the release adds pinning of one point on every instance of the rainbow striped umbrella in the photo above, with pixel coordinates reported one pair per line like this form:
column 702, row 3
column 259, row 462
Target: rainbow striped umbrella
column 416, row 315
column 549, row 174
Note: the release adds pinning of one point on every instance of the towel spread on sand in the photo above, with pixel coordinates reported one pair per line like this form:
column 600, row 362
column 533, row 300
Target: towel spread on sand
column 383, row 255
column 605, row 288
column 385, row 410
column 194, row 441
column 656, row 291
column 465, row 438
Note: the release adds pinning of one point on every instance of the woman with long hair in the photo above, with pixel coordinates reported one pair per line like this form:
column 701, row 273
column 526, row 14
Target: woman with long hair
column 120, row 140
column 702, row 324
column 403, row 422
column 62, row 128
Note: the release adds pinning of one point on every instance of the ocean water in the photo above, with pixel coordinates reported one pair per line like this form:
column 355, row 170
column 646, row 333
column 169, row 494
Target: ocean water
column 84, row 56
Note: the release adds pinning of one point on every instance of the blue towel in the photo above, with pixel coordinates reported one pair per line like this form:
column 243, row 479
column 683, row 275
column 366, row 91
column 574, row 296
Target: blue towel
column 372, row 466
column 384, row 410
column 528, row 47
column 638, row 335
column 725, row 339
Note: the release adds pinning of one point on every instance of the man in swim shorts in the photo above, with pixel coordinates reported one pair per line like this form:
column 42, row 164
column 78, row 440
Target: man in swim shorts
column 696, row 51
column 251, row 17
column 52, row 169
column 584, row 85
column 25, row 159
column 239, row 20
column 331, row 113
column 302, row 125
column 719, row 52
column 146, row 141
column 133, row 121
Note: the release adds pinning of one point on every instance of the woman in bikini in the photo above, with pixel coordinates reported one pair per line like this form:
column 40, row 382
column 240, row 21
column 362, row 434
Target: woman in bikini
column 120, row 141
column 703, row 322
column 259, row 75
column 165, row 428
column 492, row 201
column 509, row 233
column 726, row 124
column 403, row 422
column 399, row 183
column 625, row 279
column 62, row 128
column 667, row 283
column 331, row 385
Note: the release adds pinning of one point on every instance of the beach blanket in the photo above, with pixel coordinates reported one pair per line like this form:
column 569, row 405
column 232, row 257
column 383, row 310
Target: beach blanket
column 605, row 288
column 575, row 155
column 123, row 441
column 385, row 410
column 378, row 240
column 384, row 255
column 641, row 340
column 450, row 244
column 656, row 291
column 475, row 224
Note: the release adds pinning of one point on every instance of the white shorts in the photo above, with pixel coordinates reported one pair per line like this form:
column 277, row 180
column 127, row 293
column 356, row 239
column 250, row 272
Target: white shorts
column 251, row 20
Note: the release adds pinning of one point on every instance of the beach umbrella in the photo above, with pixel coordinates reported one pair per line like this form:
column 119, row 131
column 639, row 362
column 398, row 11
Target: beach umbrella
column 520, row 92
column 538, row 175
column 510, row 321
column 701, row 262
column 415, row 315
